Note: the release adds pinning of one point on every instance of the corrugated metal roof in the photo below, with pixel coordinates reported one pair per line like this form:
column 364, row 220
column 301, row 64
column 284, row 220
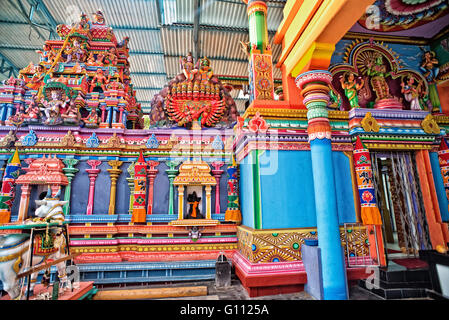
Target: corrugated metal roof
column 159, row 35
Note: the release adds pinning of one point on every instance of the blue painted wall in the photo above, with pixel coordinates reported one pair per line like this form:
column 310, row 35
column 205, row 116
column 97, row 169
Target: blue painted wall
column 287, row 198
column 287, row 191
column 439, row 186
column 246, row 191
column 343, row 184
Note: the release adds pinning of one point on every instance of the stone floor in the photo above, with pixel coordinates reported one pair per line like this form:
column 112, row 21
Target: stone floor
column 237, row 292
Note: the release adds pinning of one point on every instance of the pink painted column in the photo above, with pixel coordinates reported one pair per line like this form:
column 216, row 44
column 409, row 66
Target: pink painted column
column 93, row 173
column 217, row 174
column 151, row 173
column 24, row 202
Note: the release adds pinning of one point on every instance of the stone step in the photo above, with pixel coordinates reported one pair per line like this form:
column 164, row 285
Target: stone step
column 405, row 276
column 395, row 293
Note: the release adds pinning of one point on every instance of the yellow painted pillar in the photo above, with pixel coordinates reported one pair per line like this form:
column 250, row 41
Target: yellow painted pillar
column 208, row 202
column 114, row 172
column 180, row 202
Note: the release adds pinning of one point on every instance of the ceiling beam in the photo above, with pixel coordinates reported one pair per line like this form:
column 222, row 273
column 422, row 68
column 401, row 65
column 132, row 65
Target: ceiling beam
column 196, row 29
column 7, row 67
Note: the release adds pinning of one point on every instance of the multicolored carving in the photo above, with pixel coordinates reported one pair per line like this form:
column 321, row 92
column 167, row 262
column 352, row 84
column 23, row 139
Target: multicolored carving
column 429, row 68
column 140, row 189
column 381, row 76
column 260, row 246
column 396, row 15
column 362, row 162
column 7, row 194
column 85, row 64
column 194, row 99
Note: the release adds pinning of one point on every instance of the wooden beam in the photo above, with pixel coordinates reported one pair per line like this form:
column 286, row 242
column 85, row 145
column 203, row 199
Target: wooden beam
column 152, row 293
column 46, row 265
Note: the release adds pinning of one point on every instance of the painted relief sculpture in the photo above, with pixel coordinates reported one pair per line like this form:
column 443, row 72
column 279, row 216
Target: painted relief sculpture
column 84, row 72
column 351, row 88
column 371, row 77
column 193, row 99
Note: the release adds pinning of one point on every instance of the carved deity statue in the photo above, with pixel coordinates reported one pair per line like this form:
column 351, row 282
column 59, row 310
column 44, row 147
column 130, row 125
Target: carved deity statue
column 377, row 70
column 71, row 115
column 188, row 67
column 205, row 71
column 99, row 80
column 412, row 93
column 75, row 53
column 429, row 66
column 53, row 107
column 194, row 212
column 37, row 78
column 351, row 88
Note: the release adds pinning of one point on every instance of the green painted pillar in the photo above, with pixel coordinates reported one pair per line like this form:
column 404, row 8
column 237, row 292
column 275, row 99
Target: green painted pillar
column 257, row 19
column 171, row 172
column 70, row 172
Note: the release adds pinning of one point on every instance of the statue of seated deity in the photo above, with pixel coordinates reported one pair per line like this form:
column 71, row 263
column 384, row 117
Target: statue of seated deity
column 71, row 116
column 33, row 112
column 92, row 120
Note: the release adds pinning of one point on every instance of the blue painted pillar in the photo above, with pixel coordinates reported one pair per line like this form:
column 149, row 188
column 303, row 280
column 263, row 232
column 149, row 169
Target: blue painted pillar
column 314, row 88
column 439, row 186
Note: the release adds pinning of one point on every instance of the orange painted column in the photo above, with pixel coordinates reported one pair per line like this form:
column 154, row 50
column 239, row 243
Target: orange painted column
column 437, row 231
column 291, row 91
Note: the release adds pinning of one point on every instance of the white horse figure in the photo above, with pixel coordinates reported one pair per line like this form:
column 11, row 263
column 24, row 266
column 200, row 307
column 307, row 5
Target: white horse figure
column 15, row 255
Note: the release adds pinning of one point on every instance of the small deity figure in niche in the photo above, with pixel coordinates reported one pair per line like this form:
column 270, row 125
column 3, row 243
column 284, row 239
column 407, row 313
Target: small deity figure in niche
column 429, row 66
column 91, row 59
column 194, row 233
column 377, row 70
column 33, row 111
column 37, row 78
column 188, row 67
column 71, row 115
column 194, row 212
column 99, row 80
column 53, row 107
column 111, row 56
column 83, row 24
column 92, row 119
column 98, row 17
column 47, row 54
column 412, row 92
column 205, row 71
column 76, row 53
column 351, row 88
column 99, row 60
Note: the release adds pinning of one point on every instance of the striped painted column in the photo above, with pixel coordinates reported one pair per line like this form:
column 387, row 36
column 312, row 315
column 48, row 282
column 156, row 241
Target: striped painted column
column 70, row 172
column 7, row 193
column 93, row 174
column 314, row 86
column 140, row 186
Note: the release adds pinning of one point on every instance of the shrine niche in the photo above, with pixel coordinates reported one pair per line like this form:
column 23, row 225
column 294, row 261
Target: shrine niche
column 194, row 99
column 193, row 177
column 42, row 171
column 371, row 76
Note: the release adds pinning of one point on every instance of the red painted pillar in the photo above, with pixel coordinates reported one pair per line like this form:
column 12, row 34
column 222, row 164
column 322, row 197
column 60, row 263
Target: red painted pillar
column 93, row 173
column 217, row 174
column 151, row 173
